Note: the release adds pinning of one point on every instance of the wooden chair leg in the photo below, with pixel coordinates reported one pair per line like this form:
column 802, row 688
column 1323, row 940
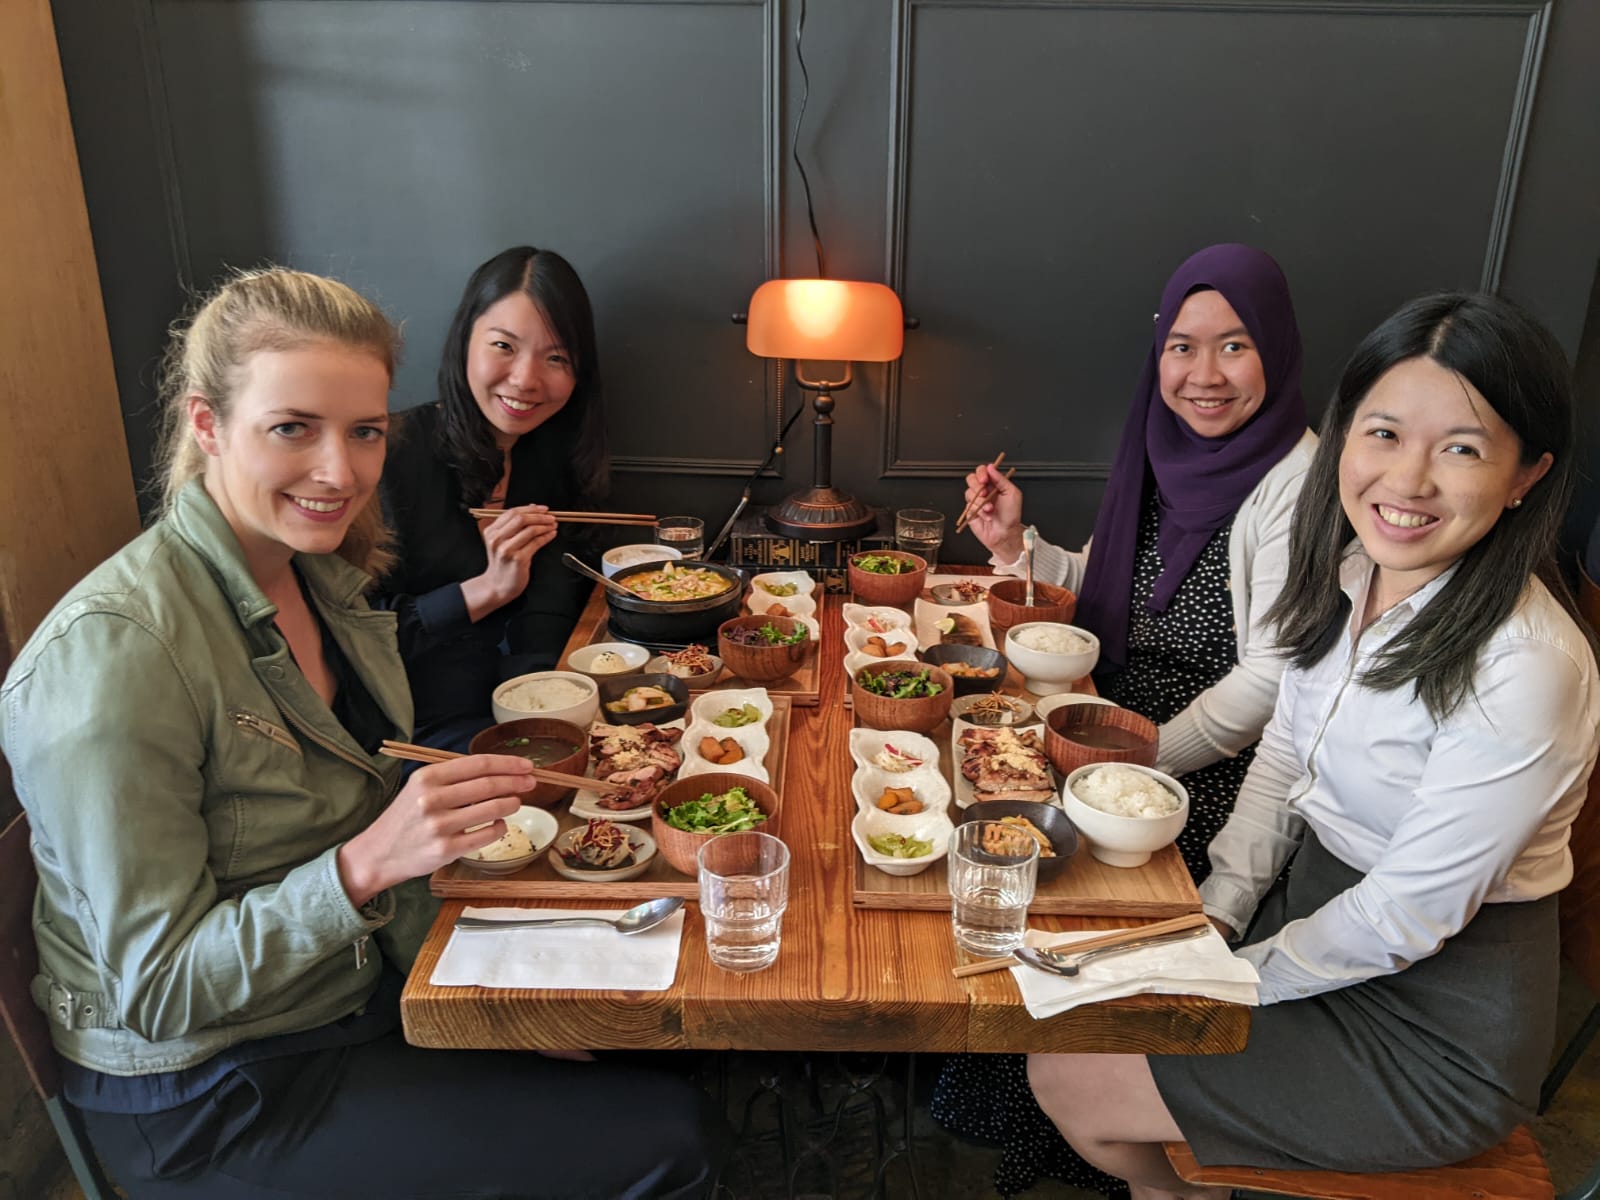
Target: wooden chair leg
column 1569, row 1058
column 80, row 1154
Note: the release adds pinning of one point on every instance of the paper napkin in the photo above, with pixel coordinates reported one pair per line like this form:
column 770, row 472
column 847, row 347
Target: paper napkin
column 1200, row 966
column 585, row 957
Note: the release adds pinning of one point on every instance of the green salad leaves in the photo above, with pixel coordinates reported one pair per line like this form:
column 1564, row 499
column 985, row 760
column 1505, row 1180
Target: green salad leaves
column 733, row 811
column 899, row 685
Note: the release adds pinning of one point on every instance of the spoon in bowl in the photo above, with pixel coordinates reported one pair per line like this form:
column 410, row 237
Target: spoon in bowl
column 573, row 563
column 636, row 920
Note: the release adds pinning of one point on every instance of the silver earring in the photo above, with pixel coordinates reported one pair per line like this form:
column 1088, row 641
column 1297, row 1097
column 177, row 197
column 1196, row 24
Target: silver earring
column 1517, row 503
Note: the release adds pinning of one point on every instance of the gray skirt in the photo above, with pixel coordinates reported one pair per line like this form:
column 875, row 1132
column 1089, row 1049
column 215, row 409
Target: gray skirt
column 1427, row 1066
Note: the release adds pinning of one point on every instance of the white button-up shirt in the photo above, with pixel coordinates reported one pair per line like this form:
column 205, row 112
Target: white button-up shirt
column 1440, row 816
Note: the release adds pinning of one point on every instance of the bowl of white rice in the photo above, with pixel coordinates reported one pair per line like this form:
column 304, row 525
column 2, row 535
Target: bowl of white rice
column 560, row 695
column 1050, row 655
column 1124, row 811
column 619, row 558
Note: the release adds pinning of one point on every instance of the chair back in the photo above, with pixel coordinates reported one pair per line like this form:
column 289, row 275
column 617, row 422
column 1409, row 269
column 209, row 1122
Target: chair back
column 1580, row 900
column 19, row 960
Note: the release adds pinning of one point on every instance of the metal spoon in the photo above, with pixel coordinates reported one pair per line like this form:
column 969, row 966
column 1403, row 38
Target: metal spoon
column 636, row 920
column 1030, row 535
column 1066, row 963
column 573, row 562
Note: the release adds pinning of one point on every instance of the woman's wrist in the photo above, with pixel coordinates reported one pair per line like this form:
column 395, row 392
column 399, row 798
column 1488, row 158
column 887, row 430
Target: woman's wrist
column 362, row 881
column 481, row 597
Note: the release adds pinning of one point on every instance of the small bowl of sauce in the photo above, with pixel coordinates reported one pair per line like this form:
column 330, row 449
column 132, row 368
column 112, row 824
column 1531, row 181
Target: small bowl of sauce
column 543, row 741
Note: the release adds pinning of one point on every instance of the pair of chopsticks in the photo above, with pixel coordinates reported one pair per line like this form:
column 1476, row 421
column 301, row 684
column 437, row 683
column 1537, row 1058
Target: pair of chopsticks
column 982, row 498
column 1171, row 925
column 427, row 754
column 576, row 518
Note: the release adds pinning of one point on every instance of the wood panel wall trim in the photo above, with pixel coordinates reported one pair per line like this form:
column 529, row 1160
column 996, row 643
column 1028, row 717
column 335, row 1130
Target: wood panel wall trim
column 901, row 81
column 68, row 499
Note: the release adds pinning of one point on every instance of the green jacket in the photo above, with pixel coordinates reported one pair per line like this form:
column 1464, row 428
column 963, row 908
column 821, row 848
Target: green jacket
column 187, row 791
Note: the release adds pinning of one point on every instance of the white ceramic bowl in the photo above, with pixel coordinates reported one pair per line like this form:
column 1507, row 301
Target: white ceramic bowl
column 1124, row 841
column 1045, row 673
column 902, row 643
column 580, row 712
column 538, row 824
column 862, row 616
column 929, row 786
column 707, row 706
column 927, row 827
column 804, row 584
column 634, row 657
column 620, row 558
column 644, row 853
column 865, row 743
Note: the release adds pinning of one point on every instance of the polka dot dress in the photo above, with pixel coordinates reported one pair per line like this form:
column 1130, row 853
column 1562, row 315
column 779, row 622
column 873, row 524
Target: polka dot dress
column 1173, row 656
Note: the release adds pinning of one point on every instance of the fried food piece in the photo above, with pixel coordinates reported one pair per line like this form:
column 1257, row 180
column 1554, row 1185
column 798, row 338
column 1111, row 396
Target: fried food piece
column 1028, row 827
column 730, row 752
column 900, row 801
column 777, row 610
column 876, row 647
column 1005, row 838
column 711, row 749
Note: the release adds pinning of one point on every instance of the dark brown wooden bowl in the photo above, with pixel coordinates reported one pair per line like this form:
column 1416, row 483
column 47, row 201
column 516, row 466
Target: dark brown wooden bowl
column 872, row 588
column 679, row 846
column 923, row 714
column 1050, row 603
column 762, row 664
column 1067, row 754
column 544, row 795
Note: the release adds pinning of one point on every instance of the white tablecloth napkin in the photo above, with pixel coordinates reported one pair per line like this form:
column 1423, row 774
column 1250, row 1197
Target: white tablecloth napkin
column 586, row 957
column 1202, row 966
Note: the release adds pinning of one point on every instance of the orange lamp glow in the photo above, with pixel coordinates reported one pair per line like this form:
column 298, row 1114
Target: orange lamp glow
column 832, row 320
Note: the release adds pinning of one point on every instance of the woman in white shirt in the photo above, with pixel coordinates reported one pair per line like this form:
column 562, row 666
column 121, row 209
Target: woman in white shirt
column 1428, row 752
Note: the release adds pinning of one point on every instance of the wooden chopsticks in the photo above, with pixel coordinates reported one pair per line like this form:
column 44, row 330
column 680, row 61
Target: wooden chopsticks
column 427, row 754
column 576, row 518
column 982, row 497
column 1157, row 929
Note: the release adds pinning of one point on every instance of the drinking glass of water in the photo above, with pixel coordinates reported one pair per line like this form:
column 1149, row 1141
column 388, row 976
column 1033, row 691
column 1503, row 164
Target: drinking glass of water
column 919, row 531
column 993, row 868
column 744, row 888
column 684, row 534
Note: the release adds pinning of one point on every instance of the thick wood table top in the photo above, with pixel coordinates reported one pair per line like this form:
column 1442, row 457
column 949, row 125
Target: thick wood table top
column 846, row 978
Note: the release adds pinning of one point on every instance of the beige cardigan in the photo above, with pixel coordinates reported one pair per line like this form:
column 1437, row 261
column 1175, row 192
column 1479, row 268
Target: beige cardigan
column 1231, row 713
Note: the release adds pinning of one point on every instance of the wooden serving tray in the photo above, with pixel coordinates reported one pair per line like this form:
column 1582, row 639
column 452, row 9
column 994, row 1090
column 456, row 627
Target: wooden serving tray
column 1087, row 888
column 803, row 688
column 539, row 881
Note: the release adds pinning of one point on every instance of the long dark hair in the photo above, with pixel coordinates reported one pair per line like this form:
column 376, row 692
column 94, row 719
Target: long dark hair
column 468, row 439
column 1522, row 372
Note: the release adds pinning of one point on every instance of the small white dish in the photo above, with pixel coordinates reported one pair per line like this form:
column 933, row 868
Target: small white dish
column 620, row 558
column 929, row 614
column 1046, row 705
column 1124, row 841
column 644, row 853
column 540, row 827
column 752, row 739
column 707, row 706
column 581, row 712
column 879, row 619
column 1046, row 672
column 633, row 658
column 586, row 804
column 804, row 584
column 790, row 606
column 865, row 744
column 930, row 787
column 927, row 827
column 902, row 643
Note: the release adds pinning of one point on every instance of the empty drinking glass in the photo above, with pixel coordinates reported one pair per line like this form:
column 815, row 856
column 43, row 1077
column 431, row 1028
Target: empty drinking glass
column 744, row 888
column 919, row 531
column 684, row 534
column 993, row 867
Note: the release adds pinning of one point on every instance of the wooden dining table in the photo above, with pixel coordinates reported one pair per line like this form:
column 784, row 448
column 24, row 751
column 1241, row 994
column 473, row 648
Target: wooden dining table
column 847, row 978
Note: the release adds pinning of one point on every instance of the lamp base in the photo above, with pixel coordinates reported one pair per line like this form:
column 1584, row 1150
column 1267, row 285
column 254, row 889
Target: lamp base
column 821, row 514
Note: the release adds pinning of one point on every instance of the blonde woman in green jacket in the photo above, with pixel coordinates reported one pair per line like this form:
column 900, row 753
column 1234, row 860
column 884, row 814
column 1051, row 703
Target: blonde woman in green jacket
column 229, row 884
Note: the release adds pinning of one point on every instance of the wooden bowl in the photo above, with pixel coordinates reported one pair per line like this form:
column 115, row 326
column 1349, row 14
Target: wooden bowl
column 1097, row 725
column 762, row 664
column 922, row 714
column 1050, row 603
column 872, row 588
column 679, row 846
column 544, row 795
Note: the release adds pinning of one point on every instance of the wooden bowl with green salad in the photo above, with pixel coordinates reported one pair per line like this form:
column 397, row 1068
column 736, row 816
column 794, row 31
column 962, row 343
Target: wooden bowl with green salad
column 690, row 812
column 887, row 576
column 763, row 649
column 902, row 693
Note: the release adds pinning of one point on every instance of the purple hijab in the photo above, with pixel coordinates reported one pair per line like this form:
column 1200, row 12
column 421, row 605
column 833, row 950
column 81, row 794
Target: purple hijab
column 1201, row 481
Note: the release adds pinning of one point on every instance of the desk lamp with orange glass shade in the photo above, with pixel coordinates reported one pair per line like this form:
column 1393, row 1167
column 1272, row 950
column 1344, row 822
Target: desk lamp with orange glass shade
column 824, row 320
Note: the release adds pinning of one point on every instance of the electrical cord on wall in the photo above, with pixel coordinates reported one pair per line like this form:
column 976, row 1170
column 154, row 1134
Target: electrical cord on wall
column 816, row 241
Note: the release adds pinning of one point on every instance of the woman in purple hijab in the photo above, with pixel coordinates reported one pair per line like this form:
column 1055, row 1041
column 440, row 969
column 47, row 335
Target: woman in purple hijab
column 1190, row 549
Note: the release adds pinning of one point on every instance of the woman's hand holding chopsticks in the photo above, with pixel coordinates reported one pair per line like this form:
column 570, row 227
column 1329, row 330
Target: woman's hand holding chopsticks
column 994, row 510
column 427, row 825
column 511, row 539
